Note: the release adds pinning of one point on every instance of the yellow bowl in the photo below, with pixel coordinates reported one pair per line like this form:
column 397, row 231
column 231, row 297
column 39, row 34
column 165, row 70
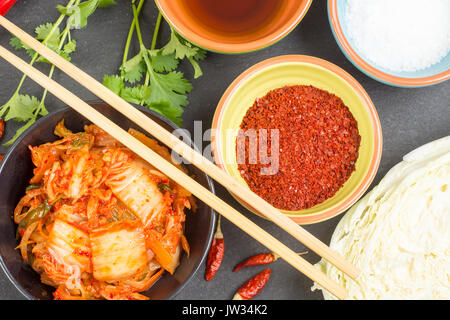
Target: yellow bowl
column 300, row 70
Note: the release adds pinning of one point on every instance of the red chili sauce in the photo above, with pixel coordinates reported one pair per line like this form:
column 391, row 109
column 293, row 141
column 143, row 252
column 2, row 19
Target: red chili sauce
column 318, row 146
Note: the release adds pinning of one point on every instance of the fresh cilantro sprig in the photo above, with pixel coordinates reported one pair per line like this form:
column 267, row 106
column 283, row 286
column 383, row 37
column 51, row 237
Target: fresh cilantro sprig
column 25, row 108
column 79, row 13
column 150, row 78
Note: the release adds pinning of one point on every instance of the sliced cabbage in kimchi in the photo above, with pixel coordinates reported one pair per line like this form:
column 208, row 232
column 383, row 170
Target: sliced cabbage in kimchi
column 118, row 252
column 97, row 221
column 70, row 245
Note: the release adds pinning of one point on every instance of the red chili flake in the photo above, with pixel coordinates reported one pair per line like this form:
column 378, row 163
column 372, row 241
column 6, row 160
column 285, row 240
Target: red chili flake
column 215, row 254
column 80, row 252
column 253, row 286
column 318, row 146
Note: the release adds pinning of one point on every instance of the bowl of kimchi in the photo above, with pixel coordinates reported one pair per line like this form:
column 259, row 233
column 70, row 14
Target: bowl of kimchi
column 83, row 217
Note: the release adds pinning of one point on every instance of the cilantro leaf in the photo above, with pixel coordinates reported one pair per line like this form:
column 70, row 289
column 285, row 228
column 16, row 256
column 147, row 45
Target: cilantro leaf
column 65, row 52
column 163, row 63
column 78, row 14
column 200, row 55
column 19, row 132
column 197, row 70
column 175, row 81
column 17, row 44
column 43, row 32
column 170, row 87
column 172, row 113
column 106, row 3
column 25, row 108
column 134, row 68
column 52, row 41
column 164, row 90
column 20, row 108
column 136, row 94
column 68, row 48
column 113, row 83
column 181, row 49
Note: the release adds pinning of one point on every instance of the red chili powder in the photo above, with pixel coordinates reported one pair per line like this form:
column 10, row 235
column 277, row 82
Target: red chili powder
column 318, row 146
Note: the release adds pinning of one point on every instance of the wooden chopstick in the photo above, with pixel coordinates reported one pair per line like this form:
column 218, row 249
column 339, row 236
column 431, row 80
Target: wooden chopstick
column 186, row 151
column 175, row 174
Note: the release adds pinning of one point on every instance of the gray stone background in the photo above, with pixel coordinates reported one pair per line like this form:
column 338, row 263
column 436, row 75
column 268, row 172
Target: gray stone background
column 409, row 118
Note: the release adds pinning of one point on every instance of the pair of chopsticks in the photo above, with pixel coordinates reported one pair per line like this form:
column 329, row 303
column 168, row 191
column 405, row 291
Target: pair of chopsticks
column 189, row 154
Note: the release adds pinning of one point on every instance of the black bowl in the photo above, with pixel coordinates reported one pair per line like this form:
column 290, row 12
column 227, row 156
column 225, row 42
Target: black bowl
column 16, row 171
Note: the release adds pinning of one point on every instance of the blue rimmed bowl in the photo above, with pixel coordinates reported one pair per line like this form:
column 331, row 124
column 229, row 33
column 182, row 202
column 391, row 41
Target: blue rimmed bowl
column 436, row 73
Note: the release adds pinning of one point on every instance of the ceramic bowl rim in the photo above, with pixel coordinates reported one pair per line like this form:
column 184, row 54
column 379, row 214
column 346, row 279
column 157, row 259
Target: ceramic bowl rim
column 238, row 48
column 65, row 108
column 374, row 163
column 367, row 68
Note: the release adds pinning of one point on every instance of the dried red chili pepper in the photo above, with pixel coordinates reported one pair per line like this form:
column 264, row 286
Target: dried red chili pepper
column 215, row 254
column 260, row 259
column 253, row 286
column 5, row 5
column 1, row 157
column 317, row 150
column 2, row 127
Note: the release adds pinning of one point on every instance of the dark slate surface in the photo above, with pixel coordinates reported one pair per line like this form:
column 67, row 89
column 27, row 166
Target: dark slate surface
column 409, row 117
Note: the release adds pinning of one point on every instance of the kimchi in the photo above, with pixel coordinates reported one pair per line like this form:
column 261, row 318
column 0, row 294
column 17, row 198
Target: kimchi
column 97, row 221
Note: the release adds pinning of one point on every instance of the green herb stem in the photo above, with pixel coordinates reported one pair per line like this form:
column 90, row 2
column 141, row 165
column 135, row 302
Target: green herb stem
column 153, row 45
column 131, row 32
column 142, row 46
column 27, row 108
column 156, row 32
column 64, row 35
column 164, row 89
column 138, row 28
column 52, row 30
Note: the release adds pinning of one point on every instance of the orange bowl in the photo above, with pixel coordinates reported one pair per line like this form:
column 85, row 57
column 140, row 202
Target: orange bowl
column 187, row 23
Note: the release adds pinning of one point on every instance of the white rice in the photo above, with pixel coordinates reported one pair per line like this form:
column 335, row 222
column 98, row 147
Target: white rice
column 400, row 35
